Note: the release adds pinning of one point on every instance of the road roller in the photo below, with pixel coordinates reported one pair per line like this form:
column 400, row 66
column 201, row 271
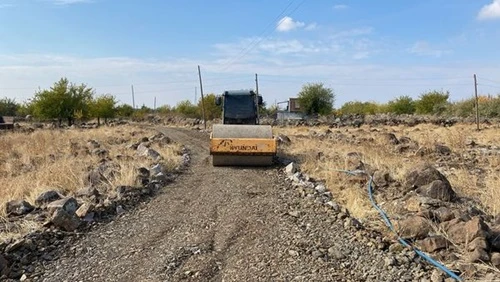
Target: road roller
column 240, row 140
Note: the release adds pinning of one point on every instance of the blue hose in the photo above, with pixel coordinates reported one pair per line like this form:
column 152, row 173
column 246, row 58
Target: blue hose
column 391, row 227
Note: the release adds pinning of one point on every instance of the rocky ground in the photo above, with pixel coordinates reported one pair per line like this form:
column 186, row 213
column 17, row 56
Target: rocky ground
column 223, row 224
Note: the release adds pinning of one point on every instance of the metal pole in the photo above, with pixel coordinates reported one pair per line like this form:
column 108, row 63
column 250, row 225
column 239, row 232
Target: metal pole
column 133, row 98
column 202, row 102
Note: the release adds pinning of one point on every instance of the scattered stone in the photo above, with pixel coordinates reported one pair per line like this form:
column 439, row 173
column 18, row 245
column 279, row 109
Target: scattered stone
column 478, row 255
column 391, row 138
column 283, row 139
column 65, row 220
column 463, row 232
column 18, row 207
column 4, row 266
column 12, row 247
column 88, row 191
column 413, row 227
column 437, row 276
column 93, row 144
column 47, row 197
column 291, row 169
column 320, row 188
column 69, row 205
column 382, row 178
column 100, row 152
column 437, row 189
column 477, row 243
column 84, row 210
column 119, row 210
column 443, row 214
column 294, row 213
column 390, row 261
column 442, row 150
column 423, row 175
column 495, row 259
column 156, row 169
column 434, row 243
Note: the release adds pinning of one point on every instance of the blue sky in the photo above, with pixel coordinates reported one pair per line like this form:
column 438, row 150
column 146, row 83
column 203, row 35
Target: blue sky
column 364, row 50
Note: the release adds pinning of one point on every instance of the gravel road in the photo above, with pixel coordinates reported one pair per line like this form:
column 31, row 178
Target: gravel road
column 228, row 224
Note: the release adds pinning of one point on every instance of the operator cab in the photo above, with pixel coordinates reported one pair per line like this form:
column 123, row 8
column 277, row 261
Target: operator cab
column 239, row 107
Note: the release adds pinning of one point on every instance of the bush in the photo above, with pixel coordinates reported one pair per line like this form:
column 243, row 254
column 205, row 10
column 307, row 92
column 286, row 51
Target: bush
column 402, row 105
column 359, row 108
column 433, row 102
column 314, row 98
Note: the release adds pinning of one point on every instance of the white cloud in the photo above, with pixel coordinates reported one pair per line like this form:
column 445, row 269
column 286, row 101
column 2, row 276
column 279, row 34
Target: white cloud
column 288, row 24
column 3, row 6
column 311, row 26
column 340, row 7
column 490, row 11
column 423, row 48
column 355, row 32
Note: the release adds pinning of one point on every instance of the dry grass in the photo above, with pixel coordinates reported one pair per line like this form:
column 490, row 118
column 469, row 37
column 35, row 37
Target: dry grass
column 321, row 159
column 47, row 159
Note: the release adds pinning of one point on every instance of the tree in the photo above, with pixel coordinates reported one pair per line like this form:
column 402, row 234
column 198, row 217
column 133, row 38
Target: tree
column 433, row 102
column 402, row 105
column 187, row 109
column 212, row 111
column 359, row 108
column 124, row 110
column 8, row 107
column 314, row 98
column 103, row 107
column 62, row 101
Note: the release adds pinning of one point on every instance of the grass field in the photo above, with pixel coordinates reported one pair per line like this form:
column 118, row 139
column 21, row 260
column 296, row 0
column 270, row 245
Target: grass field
column 321, row 157
column 59, row 159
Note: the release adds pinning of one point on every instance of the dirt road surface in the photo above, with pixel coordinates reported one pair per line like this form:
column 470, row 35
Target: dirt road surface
column 227, row 224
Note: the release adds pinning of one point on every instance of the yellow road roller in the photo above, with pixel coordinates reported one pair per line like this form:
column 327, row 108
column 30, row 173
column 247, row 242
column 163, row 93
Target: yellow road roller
column 240, row 140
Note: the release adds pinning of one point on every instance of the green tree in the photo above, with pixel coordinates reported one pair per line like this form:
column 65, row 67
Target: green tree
column 124, row 110
column 402, row 105
column 103, row 107
column 187, row 109
column 315, row 98
column 8, row 107
column 62, row 101
column 432, row 102
column 212, row 111
column 359, row 108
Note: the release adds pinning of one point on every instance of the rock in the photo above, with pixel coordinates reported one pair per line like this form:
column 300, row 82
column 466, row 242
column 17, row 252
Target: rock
column 478, row 255
column 382, row 178
column 413, row 227
column 390, row 261
column 69, row 205
column 12, row 247
column 84, row 210
column 443, row 214
column 65, row 220
column 119, row 210
column 430, row 183
column 19, row 207
column 93, row 144
column 152, row 154
column 23, row 278
column 156, row 169
column 47, row 197
column 294, row 213
column 353, row 161
column 320, row 188
column 437, row 189
column 434, row 243
column 478, row 243
column 126, row 191
column 442, row 149
column 283, row 139
column 100, row 152
column 291, row 169
column 4, row 266
column 391, row 138
column 463, row 232
column 335, row 207
column 495, row 259
column 88, row 191
column 437, row 276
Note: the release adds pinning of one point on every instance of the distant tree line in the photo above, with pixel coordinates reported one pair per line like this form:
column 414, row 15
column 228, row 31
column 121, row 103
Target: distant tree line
column 69, row 102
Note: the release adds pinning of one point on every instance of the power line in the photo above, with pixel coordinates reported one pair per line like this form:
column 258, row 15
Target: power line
column 252, row 46
column 489, row 80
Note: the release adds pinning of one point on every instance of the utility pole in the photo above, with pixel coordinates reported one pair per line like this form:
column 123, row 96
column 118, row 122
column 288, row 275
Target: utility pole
column 202, row 102
column 133, row 98
column 477, row 102
column 257, row 96
column 154, row 105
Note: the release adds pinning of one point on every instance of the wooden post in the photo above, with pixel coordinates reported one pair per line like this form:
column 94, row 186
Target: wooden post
column 202, row 100
column 477, row 102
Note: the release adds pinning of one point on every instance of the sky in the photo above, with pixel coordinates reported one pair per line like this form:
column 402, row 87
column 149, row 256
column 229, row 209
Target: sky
column 364, row 50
